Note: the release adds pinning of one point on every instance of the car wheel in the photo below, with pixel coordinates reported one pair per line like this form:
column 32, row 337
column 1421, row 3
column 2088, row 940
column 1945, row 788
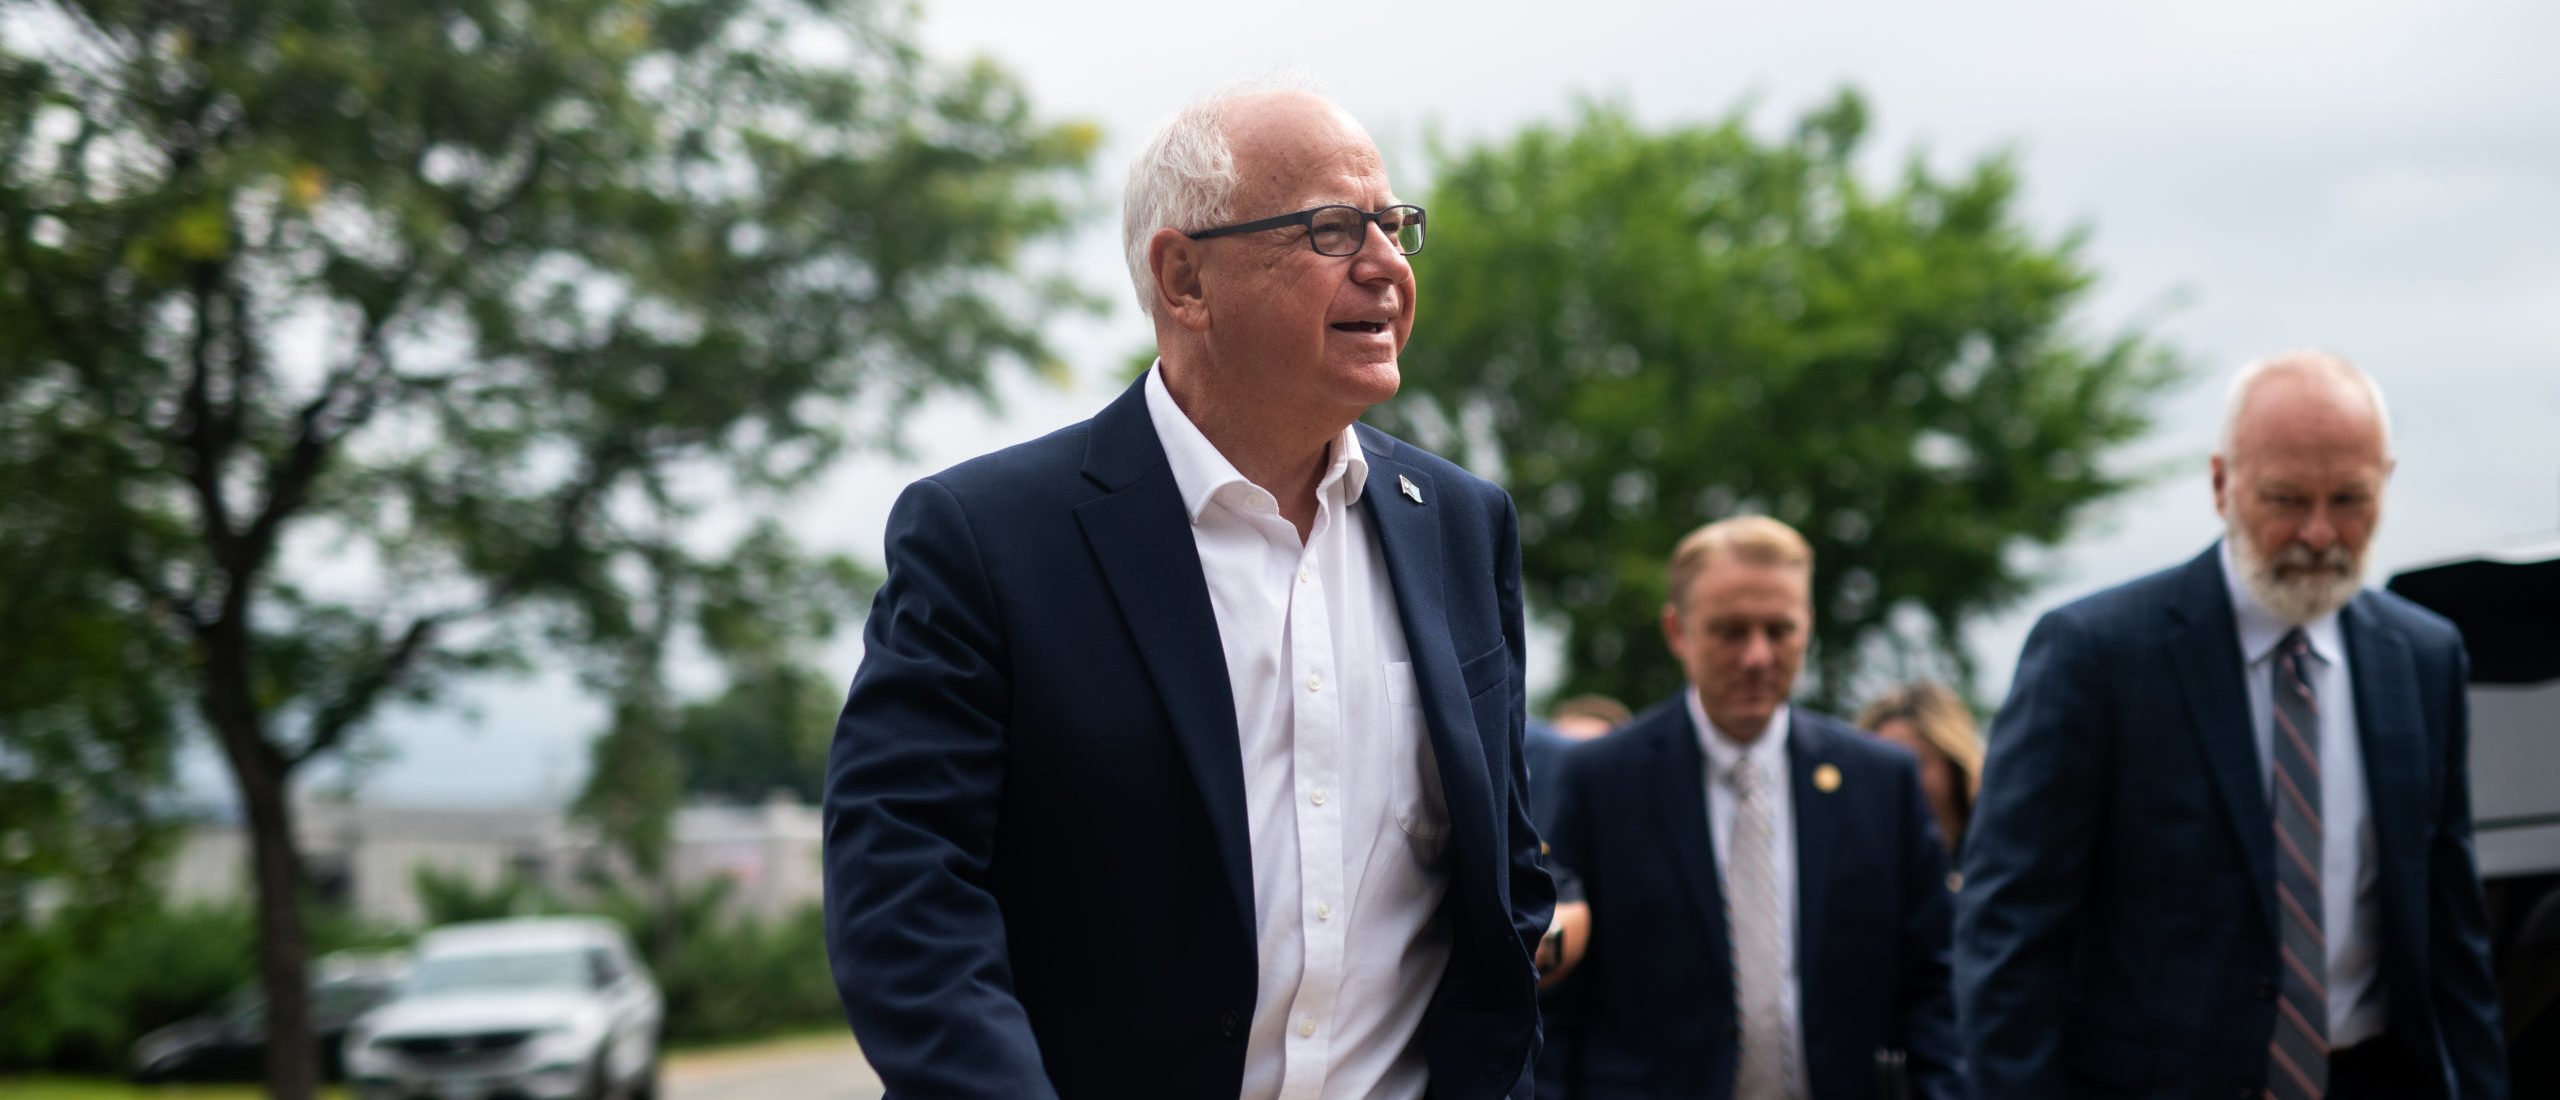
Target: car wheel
column 646, row 1087
column 599, row 1083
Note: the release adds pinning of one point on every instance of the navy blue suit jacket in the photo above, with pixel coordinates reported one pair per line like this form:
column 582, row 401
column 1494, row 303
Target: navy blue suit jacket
column 1038, row 877
column 2116, row 935
column 1650, row 1010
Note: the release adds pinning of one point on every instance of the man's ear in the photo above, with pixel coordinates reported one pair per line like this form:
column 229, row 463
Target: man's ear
column 2221, row 485
column 1180, row 296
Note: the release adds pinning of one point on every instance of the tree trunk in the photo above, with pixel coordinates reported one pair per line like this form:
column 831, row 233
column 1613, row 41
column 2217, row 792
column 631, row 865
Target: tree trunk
column 264, row 779
column 284, row 948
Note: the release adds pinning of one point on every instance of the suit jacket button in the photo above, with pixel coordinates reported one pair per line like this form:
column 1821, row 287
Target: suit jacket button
column 1227, row 1023
column 2266, row 989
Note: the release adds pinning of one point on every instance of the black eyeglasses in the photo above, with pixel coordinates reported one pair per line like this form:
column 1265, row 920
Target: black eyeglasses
column 1337, row 230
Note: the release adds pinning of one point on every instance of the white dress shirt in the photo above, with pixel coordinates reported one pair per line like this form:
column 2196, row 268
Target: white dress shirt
column 2350, row 866
column 1343, row 805
column 1770, row 753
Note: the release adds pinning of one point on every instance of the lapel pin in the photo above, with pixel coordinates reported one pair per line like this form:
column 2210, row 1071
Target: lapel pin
column 1406, row 486
column 1826, row 778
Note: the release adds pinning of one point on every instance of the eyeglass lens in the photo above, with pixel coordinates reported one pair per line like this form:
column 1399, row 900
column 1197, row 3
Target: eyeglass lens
column 1340, row 230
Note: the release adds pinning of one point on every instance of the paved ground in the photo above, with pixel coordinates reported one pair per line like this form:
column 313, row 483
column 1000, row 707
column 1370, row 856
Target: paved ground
column 800, row 1069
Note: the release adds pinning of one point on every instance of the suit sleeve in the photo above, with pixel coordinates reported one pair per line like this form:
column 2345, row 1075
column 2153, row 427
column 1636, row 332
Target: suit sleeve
column 1928, row 1006
column 2463, row 986
column 1567, row 829
column 913, row 932
column 2027, row 862
column 1533, row 893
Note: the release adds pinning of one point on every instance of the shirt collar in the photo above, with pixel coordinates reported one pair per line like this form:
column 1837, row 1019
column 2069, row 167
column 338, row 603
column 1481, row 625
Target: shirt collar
column 2261, row 629
column 1200, row 471
column 1770, row 751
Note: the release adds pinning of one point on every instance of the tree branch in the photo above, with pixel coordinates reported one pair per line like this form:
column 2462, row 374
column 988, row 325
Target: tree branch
column 161, row 595
column 318, row 432
column 206, row 438
column 330, row 725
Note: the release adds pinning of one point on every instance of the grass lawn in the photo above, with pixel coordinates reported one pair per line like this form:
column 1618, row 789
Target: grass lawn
column 97, row 1088
column 106, row 1088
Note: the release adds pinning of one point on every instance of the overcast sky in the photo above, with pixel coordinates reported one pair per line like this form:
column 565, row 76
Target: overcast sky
column 2382, row 180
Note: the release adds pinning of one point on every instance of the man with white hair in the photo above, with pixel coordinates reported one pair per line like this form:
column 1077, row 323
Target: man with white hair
column 2223, row 846
column 1184, row 759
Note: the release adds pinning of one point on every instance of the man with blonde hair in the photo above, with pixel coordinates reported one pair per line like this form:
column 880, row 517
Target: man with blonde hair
column 2223, row 846
column 1184, row 760
column 1767, row 890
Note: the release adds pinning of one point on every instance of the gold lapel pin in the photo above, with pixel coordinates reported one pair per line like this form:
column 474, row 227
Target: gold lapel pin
column 1826, row 778
column 1406, row 486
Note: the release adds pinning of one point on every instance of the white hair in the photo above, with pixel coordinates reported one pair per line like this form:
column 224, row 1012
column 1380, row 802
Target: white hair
column 2236, row 399
column 1185, row 177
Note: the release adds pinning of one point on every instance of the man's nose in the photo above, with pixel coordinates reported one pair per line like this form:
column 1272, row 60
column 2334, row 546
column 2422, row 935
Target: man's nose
column 2320, row 531
column 1379, row 260
column 1757, row 653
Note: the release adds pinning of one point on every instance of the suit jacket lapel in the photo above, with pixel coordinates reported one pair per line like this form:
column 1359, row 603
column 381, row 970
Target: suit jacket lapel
column 2393, row 736
column 2203, row 642
column 1141, row 537
column 1409, row 539
column 1677, row 775
column 1817, row 836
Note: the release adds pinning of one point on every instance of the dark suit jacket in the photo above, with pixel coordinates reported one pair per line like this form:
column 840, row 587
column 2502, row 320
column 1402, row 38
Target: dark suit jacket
column 2116, row 934
column 1038, row 878
column 1650, row 1009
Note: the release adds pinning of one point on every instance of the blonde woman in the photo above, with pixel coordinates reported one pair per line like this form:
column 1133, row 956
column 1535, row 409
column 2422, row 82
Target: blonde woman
column 1932, row 721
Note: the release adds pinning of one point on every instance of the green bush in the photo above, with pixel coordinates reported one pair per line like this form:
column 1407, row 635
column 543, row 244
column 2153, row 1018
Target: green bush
column 730, row 976
column 76, row 991
column 83, row 986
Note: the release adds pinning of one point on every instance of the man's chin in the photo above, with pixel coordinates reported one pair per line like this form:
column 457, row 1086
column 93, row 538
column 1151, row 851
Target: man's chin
column 1371, row 381
column 2304, row 595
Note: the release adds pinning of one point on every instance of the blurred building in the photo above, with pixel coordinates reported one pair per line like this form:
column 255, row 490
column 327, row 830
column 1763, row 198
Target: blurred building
column 367, row 858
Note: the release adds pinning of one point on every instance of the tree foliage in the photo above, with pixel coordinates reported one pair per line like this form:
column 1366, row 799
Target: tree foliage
column 347, row 349
column 1645, row 331
column 766, row 733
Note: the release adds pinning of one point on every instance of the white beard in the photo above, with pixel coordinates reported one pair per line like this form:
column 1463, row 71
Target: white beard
column 2307, row 595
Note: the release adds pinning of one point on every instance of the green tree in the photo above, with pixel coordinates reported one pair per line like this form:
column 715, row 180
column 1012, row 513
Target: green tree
column 767, row 732
column 350, row 349
column 1644, row 331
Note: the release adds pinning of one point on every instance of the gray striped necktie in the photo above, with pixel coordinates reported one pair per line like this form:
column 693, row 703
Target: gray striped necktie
column 1759, row 964
column 2298, row 1056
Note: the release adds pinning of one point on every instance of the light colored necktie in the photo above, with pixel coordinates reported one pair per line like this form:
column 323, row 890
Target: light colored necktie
column 1767, row 1066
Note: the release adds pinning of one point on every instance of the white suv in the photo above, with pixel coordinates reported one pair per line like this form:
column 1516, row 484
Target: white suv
column 548, row 1008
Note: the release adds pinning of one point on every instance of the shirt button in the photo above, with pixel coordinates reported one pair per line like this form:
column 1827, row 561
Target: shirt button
column 1315, row 682
column 1307, row 1028
column 1302, row 574
column 1324, row 911
column 1316, row 796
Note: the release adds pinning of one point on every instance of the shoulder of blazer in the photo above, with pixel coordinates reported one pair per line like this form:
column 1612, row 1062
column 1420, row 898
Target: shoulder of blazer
column 1634, row 746
column 1033, row 470
column 2391, row 611
column 2133, row 610
column 1446, row 476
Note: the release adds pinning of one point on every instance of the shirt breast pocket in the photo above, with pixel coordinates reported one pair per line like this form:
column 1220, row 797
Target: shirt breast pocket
column 1420, row 807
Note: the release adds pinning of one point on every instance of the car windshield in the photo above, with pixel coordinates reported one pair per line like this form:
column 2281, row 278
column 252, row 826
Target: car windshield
column 518, row 970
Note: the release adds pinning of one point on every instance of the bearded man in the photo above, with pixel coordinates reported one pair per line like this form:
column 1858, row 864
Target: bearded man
column 2224, row 841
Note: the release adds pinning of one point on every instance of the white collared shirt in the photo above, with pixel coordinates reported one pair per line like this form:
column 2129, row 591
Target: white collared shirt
column 1770, row 754
column 1348, row 824
column 2350, row 865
